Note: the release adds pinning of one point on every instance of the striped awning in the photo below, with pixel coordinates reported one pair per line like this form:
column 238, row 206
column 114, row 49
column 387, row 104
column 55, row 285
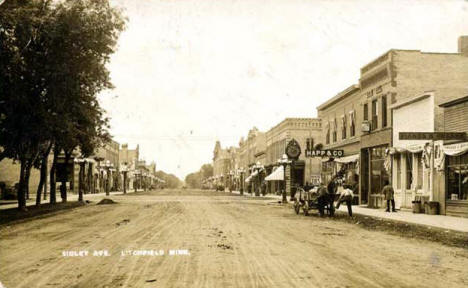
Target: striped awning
column 277, row 175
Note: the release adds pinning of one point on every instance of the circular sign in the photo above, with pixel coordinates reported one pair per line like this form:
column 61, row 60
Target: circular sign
column 293, row 150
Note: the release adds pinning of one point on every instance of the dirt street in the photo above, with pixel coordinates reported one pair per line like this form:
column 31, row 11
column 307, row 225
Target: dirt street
column 233, row 241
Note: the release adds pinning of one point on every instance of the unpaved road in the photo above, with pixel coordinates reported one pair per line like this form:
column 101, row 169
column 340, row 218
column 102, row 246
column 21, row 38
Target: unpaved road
column 233, row 242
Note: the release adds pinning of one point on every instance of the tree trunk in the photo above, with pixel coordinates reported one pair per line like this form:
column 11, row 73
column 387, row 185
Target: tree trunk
column 27, row 174
column 125, row 182
column 81, row 182
column 43, row 178
column 20, row 192
column 90, row 178
column 63, row 186
column 53, row 183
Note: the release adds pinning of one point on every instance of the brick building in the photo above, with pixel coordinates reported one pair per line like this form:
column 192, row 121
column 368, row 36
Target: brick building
column 222, row 164
column 307, row 132
column 391, row 83
column 341, row 116
column 394, row 77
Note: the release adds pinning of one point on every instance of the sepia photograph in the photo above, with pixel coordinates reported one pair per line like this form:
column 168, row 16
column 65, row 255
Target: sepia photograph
column 233, row 143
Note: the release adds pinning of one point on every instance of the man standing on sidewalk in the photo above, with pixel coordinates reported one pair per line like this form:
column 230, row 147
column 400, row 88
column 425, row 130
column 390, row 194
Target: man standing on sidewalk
column 388, row 194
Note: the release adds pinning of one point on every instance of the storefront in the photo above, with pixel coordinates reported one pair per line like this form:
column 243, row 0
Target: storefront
column 411, row 173
column 456, row 178
column 375, row 169
column 348, row 165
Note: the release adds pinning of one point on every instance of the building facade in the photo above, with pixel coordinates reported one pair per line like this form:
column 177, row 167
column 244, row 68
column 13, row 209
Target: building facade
column 397, row 76
column 307, row 132
column 453, row 160
column 341, row 116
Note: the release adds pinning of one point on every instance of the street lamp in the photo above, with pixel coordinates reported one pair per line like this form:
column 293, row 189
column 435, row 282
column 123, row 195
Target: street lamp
column 231, row 180
column 284, row 161
column 241, row 172
column 124, row 170
column 107, row 166
column 258, row 168
column 137, row 173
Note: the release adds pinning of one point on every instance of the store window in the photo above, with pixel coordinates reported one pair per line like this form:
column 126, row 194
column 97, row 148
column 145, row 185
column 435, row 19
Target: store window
column 374, row 115
column 420, row 177
column 378, row 173
column 457, row 177
column 409, row 170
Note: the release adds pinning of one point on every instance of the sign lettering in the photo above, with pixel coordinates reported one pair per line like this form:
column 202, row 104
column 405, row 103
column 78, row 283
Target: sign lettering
column 432, row 135
column 324, row 153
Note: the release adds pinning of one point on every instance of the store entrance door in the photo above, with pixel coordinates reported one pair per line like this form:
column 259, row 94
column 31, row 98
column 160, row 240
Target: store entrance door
column 378, row 176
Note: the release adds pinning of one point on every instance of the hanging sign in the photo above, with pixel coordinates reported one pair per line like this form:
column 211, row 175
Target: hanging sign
column 432, row 135
column 324, row 153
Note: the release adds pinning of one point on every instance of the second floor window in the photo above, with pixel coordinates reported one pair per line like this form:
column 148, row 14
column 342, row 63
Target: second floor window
column 352, row 125
column 334, row 131
column 374, row 115
column 366, row 112
column 309, row 143
column 384, row 111
column 343, row 127
column 327, row 138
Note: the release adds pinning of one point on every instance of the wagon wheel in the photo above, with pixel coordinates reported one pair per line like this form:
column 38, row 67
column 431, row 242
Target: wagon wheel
column 305, row 208
column 297, row 206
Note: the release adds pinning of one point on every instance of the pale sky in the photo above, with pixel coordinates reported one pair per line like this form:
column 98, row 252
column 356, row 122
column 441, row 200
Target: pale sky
column 188, row 73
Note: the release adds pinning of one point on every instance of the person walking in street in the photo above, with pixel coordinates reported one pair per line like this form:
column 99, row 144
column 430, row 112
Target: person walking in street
column 346, row 195
column 389, row 196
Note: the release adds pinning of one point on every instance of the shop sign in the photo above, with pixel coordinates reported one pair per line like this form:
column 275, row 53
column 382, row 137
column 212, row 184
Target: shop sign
column 365, row 126
column 432, row 135
column 324, row 153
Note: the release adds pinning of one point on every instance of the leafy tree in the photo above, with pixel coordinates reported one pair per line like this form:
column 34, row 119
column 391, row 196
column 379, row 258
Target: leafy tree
column 193, row 180
column 55, row 64
column 171, row 180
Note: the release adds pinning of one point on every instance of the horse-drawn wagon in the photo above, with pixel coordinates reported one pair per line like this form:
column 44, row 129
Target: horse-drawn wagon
column 316, row 198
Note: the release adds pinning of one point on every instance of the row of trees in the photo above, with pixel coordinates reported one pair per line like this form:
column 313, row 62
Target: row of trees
column 193, row 180
column 53, row 59
column 171, row 180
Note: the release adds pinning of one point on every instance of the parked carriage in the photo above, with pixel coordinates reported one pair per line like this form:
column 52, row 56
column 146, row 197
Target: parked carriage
column 313, row 199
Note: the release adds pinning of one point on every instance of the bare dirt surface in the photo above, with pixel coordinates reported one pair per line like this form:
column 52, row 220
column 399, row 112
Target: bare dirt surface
column 233, row 241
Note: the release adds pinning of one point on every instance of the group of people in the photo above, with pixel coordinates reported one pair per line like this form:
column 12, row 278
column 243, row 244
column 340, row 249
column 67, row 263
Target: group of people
column 346, row 193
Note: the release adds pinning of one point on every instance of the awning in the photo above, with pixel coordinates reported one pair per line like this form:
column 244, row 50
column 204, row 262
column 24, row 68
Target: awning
column 277, row 175
column 347, row 159
column 255, row 173
column 455, row 149
column 411, row 148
